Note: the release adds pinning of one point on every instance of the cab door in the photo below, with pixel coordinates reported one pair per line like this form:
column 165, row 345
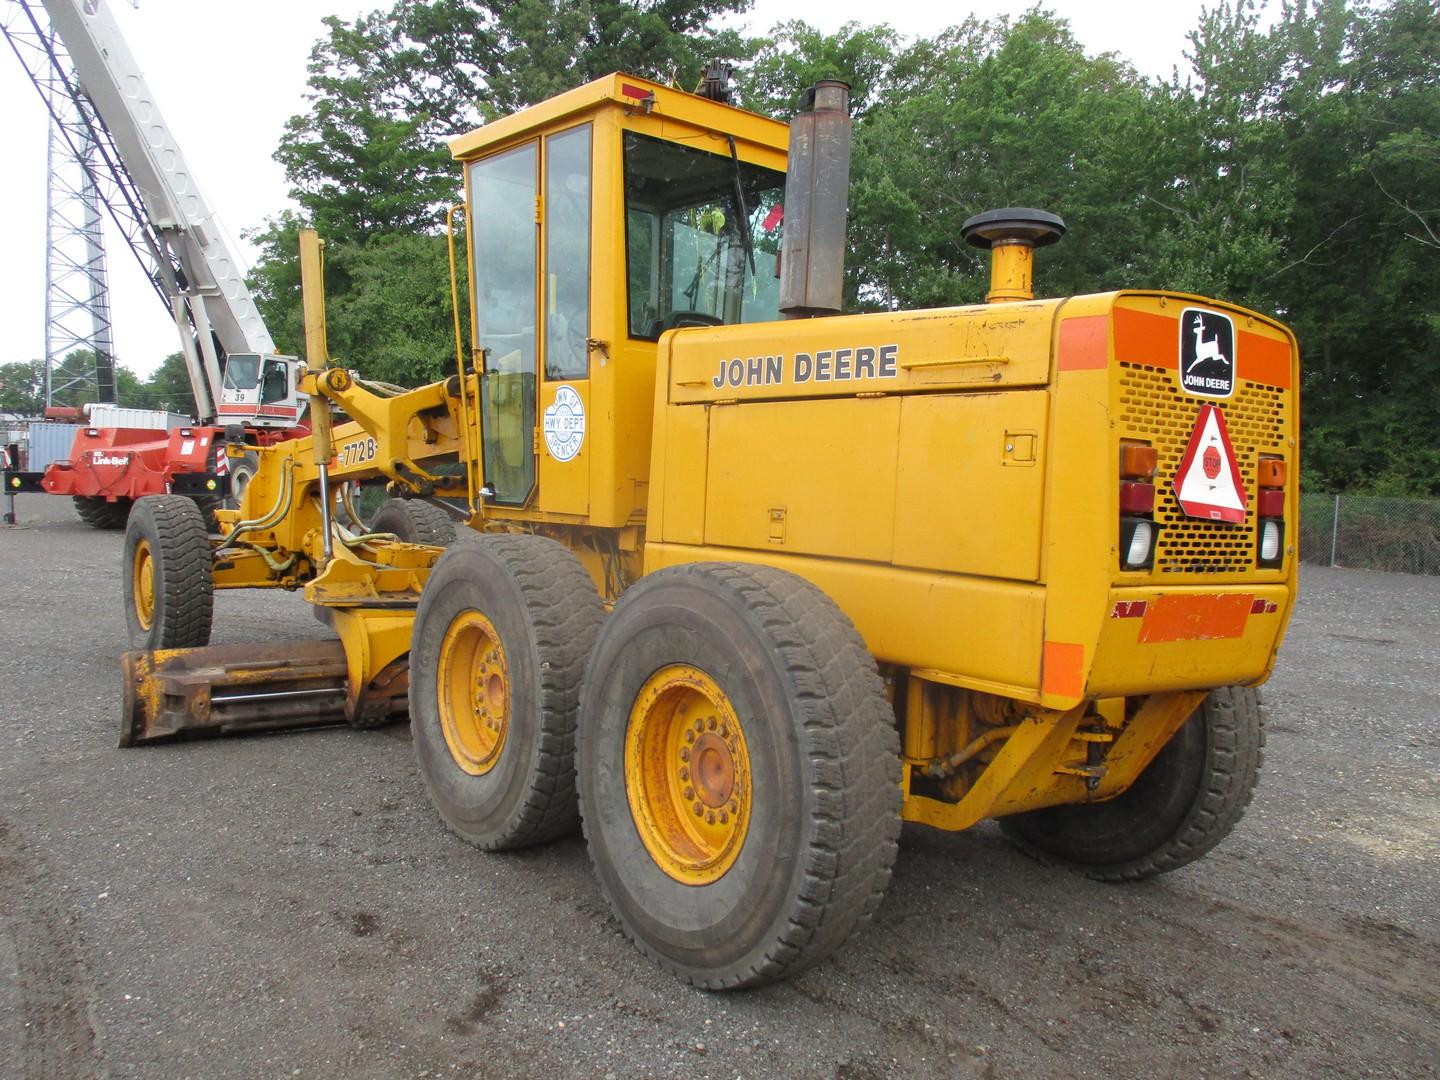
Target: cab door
column 531, row 228
column 565, row 412
column 505, row 229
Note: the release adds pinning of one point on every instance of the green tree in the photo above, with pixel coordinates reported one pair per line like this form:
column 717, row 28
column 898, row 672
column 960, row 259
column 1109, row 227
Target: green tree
column 1360, row 280
column 129, row 388
column 391, row 316
column 1221, row 221
column 72, row 381
column 388, row 89
column 1317, row 182
column 995, row 114
column 389, row 313
column 22, row 387
column 795, row 55
column 169, row 387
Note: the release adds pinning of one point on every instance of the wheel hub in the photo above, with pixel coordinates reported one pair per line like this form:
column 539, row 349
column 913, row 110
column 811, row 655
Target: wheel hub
column 143, row 584
column 474, row 693
column 687, row 775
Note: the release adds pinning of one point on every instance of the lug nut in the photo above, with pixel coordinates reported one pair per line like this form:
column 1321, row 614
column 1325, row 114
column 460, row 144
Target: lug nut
column 689, row 793
column 699, row 808
column 711, row 723
column 710, row 817
column 684, row 773
column 684, row 753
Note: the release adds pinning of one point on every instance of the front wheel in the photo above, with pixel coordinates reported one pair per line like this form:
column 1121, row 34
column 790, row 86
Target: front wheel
column 1185, row 802
column 739, row 773
column 168, row 589
column 499, row 646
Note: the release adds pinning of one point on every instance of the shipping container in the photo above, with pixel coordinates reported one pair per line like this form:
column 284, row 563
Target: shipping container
column 114, row 416
column 50, row 442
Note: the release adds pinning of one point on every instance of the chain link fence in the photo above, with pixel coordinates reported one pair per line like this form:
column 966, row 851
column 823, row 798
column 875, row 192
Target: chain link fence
column 1363, row 532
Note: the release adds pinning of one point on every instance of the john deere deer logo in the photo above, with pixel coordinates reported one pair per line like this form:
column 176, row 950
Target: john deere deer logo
column 1207, row 353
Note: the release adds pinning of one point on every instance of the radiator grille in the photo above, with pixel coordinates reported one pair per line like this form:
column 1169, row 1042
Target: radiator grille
column 1152, row 407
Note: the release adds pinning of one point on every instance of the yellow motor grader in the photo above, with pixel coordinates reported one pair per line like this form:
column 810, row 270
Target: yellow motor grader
column 743, row 583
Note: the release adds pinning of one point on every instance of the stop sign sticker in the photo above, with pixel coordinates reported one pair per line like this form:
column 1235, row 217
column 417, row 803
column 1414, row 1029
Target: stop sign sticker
column 1208, row 483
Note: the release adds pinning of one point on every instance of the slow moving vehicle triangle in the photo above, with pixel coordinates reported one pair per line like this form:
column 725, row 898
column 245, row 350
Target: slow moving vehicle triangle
column 1208, row 483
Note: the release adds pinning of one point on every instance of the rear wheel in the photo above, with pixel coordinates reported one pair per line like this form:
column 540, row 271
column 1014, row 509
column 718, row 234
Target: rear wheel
column 169, row 593
column 98, row 513
column 414, row 522
column 500, row 641
column 242, row 471
column 1184, row 803
column 208, row 504
column 739, row 773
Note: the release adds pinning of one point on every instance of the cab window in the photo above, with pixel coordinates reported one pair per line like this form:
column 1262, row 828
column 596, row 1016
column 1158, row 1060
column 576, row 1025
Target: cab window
column 567, row 254
column 505, row 255
column 702, row 237
column 242, row 371
column 275, row 384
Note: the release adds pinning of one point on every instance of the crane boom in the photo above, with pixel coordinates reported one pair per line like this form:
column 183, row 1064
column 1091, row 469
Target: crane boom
column 162, row 211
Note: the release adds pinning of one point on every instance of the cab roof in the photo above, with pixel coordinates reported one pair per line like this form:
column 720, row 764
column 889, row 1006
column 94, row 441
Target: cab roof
column 620, row 90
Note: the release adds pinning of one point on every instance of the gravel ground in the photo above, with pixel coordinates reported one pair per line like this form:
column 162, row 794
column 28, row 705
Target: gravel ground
column 290, row 906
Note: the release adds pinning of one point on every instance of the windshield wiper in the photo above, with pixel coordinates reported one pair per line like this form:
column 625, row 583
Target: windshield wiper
column 744, row 211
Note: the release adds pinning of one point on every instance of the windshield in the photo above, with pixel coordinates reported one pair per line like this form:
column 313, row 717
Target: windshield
column 242, row 371
column 686, row 244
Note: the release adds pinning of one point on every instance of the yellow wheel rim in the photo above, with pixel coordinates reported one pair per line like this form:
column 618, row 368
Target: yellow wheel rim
column 687, row 775
column 474, row 693
column 143, row 584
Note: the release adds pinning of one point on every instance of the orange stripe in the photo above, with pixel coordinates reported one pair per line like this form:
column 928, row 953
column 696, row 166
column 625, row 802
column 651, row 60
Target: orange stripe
column 1143, row 338
column 1063, row 670
column 1085, row 343
column 1264, row 360
column 1202, row 617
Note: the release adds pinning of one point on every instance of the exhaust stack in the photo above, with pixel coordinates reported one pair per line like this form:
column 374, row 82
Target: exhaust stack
column 817, row 189
column 1012, row 235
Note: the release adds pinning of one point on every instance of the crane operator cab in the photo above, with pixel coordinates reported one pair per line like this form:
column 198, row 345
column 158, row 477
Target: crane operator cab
column 618, row 214
column 260, row 390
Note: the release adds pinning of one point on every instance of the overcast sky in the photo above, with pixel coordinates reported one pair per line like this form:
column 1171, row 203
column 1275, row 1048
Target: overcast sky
column 228, row 73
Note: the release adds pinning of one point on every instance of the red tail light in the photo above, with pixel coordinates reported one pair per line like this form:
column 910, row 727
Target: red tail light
column 1139, row 462
column 1270, row 476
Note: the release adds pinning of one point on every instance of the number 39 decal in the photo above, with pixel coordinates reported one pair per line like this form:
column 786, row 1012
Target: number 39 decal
column 356, row 453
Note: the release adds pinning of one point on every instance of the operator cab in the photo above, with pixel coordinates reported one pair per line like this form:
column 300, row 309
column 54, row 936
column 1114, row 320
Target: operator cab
column 261, row 390
column 598, row 221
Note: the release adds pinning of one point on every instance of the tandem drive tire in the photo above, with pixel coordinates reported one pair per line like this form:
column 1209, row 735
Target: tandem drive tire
column 169, row 593
column 242, row 471
column 501, row 636
column 739, row 773
column 96, row 512
column 414, row 522
column 1184, row 803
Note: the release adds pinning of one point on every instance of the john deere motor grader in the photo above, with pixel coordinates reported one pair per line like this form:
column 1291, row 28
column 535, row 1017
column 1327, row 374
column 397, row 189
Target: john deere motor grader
column 742, row 592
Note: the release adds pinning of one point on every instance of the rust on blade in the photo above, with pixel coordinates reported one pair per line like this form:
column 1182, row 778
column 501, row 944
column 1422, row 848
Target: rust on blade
column 223, row 689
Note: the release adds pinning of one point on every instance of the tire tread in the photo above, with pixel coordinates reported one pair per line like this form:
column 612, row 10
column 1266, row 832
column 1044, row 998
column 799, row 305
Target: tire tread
column 185, row 592
column 1235, row 753
column 415, row 522
column 565, row 613
column 852, row 745
column 99, row 513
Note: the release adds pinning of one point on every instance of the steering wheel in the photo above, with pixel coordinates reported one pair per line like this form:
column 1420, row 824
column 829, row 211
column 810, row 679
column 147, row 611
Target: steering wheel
column 678, row 319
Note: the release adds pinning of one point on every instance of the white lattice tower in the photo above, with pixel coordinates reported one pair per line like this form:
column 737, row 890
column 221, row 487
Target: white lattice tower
column 77, row 299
